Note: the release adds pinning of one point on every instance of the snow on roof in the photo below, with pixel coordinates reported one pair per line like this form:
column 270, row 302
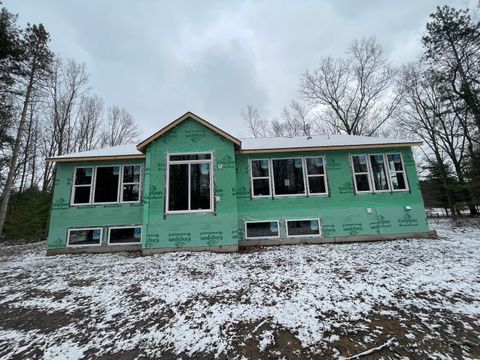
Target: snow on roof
column 249, row 145
column 112, row 151
column 318, row 141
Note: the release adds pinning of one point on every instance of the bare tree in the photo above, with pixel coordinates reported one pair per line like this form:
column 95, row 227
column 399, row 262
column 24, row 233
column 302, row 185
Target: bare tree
column 120, row 128
column 89, row 123
column 354, row 91
column 256, row 126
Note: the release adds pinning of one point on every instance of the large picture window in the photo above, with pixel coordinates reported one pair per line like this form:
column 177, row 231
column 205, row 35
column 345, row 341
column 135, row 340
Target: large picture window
column 124, row 235
column 82, row 185
column 84, row 237
column 262, row 229
column 379, row 173
column 190, row 183
column 260, row 176
column 316, row 176
column 107, row 184
column 288, row 177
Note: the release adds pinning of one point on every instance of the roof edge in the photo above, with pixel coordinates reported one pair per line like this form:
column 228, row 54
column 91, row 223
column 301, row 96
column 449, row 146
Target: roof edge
column 142, row 145
column 336, row 147
column 95, row 158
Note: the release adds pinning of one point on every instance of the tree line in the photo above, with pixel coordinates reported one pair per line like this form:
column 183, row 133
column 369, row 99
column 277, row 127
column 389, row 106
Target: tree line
column 47, row 109
column 435, row 99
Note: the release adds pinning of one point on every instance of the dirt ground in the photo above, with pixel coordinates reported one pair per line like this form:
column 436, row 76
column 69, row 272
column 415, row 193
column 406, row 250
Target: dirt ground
column 399, row 299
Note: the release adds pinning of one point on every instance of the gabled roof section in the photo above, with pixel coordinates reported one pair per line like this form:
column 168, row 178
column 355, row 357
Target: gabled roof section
column 120, row 152
column 188, row 115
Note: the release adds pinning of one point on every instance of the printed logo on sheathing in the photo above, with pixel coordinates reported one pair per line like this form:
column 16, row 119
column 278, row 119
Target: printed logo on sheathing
column 353, row 229
column 407, row 220
column 328, row 230
column 60, row 204
column 219, row 191
column 155, row 193
column 333, row 164
column 161, row 165
column 211, row 237
column 346, row 188
column 195, row 135
column 227, row 162
column 180, row 239
column 380, row 223
column 243, row 193
column 168, row 137
column 152, row 240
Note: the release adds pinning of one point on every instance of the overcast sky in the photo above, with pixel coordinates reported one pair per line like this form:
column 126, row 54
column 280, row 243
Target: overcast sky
column 159, row 59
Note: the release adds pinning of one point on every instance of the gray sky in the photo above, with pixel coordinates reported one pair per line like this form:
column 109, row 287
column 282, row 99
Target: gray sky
column 159, row 59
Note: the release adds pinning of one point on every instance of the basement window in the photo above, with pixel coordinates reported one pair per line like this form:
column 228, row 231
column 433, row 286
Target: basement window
column 262, row 229
column 84, row 237
column 361, row 173
column 379, row 173
column 397, row 172
column 106, row 184
column 189, row 183
column 288, row 177
column 124, row 235
column 316, row 177
column 302, row 228
column 260, row 177
column 82, row 186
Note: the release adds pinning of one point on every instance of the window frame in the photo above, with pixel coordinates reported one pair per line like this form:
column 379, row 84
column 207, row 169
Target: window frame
column 404, row 173
column 303, row 236
column 69, row 230
column 387, row 172
column 261, row 237
column 260, row 178
column 72, row 195
column 274, row 194
column 124, row 227
column 140, row 185
column 325, row 176
column 119, row 189
column 188, row 162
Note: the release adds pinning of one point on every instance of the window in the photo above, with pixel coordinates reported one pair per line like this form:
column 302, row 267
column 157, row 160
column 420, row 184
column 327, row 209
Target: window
column 288, row 177
column 82, row 186
column 262, row 229
column 397, row 172
column 308, row 227
column 84, row 237
column 379, row 173
column 260, row 176
column 131, row 183
column 361, row 173
column 106, row 184
column 190, row 183
column 124, row 235
column 316, row 177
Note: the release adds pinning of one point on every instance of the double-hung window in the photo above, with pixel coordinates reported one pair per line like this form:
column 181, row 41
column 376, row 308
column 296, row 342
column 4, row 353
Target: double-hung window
column 260, row 177
column 107, row 184
column 288, row 177
column 316, row 176
column 379, row 173
column 189, row 183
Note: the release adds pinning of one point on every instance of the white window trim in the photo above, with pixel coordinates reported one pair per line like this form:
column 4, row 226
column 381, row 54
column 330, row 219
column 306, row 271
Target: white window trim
column 275, row 195
column 140, row 185
column 387, row 172
column 261, row 237
column 324, row 175
column 212, row 192
column 269, row 178
column 119, row 190
column 125, row 227
column 303, row 236
column 85, row 245
column 72, row 197
column 404, row 173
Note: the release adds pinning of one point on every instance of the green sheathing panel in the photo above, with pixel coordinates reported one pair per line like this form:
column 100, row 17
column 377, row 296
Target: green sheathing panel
column 64, row 216
column 342, row 212
column 190, row 230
